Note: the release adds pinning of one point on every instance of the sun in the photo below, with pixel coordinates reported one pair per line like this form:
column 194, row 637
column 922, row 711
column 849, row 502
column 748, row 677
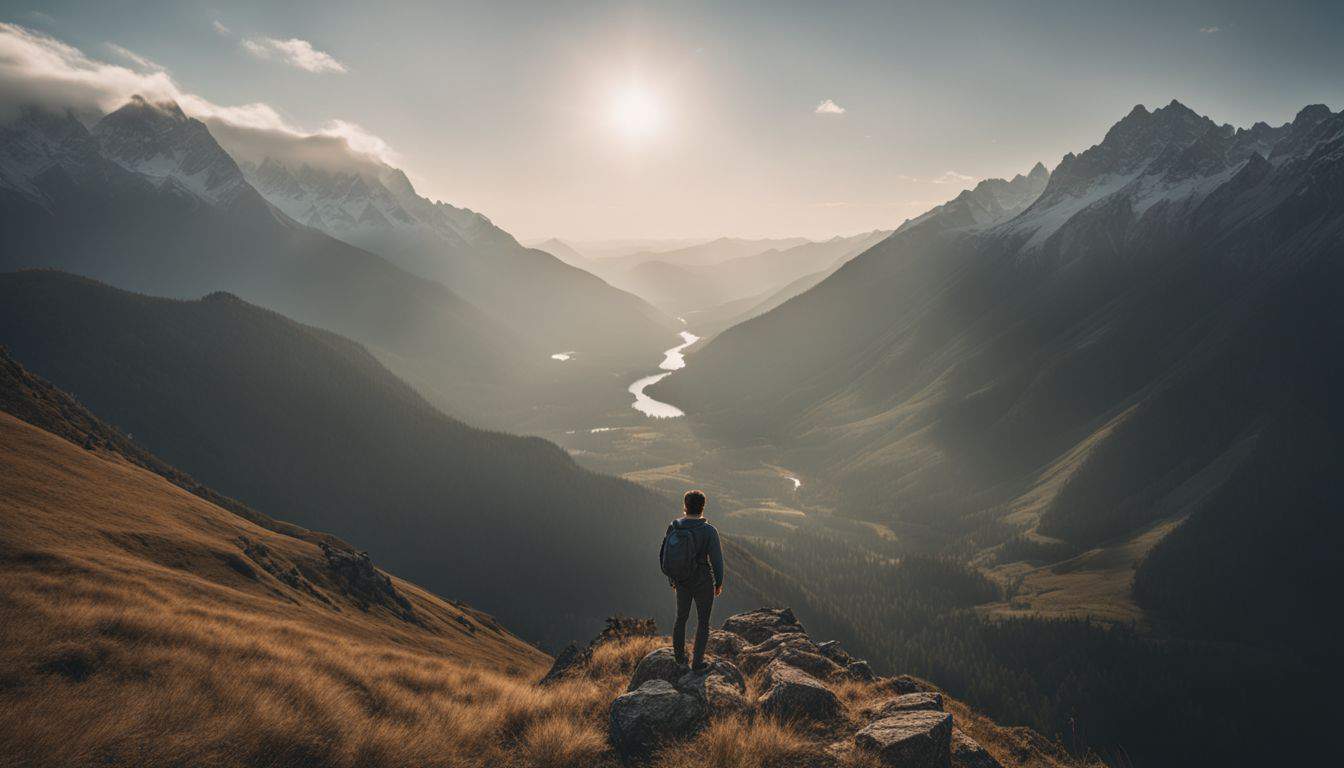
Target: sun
column 636, row 112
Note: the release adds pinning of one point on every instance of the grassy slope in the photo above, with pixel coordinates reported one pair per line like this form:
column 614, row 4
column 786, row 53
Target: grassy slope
column 130, row 611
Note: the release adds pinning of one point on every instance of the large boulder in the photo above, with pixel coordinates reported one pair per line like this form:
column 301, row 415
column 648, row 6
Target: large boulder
column 651, row 714
column 907, row 702
column 792, row 694
column 860, row 671
column 831, row 649
column 657, row 665
column 756, row 657
column 967, row 753
column 725, row 644
column 721, row 668
column 813, row 664
column 762, row 623
column 903, row 684
column 722, row 689
column 910, row 739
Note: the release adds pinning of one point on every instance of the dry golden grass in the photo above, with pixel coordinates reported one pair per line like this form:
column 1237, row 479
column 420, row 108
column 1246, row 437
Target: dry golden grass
column 129, row 638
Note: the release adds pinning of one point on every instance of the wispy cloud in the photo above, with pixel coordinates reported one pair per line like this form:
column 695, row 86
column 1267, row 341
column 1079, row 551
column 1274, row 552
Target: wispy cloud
column 946, row 177
column 829, row 107
column 295, row 52
column 220, row 28
column 135, row 58
column 40, row 17
column 952, row 177
column 1212, row 30
column 37, row 69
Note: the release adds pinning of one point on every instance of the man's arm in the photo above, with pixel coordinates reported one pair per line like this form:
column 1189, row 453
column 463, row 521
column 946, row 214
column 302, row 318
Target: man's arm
column 716, row 559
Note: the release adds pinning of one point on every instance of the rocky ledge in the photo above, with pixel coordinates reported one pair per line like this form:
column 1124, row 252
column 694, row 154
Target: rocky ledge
column 794, row 680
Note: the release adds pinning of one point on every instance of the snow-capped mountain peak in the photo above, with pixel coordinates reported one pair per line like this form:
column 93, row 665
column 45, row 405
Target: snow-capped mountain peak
column 158, row 141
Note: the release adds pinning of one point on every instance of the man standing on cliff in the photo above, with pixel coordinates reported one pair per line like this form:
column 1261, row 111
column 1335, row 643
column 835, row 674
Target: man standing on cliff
column 693, row 562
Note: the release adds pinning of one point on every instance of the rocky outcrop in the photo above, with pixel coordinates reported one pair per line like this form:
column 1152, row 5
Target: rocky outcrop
column 860, row 672
column 909, row 739
column 657, row 665
column 762, row 624
column 666, row 700
column 907, row 702
column 357, row 579
column 966, row 753
column 792, row 694
column 653, row 713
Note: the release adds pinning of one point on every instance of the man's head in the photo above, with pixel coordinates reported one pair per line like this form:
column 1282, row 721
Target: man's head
column 694, row 502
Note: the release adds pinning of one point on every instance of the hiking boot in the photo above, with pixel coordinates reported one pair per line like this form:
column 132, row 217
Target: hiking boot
column 701, row 667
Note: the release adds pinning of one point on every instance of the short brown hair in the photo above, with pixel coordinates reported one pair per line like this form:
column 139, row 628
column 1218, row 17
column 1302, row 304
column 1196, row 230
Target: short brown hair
column 694, row 502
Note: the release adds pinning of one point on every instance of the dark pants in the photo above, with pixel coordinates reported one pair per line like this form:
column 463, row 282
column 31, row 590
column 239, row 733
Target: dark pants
column 703, row 595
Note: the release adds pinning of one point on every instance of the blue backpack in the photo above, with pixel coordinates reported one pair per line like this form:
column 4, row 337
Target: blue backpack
column 678, row 559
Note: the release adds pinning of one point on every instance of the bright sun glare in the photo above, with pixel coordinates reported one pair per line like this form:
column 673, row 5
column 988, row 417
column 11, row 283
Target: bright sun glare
column 636, row 112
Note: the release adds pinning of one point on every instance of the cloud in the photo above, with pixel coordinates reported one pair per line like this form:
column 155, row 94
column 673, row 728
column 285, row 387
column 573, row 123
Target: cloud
column 134, row 58
column 952, row 177
column 946, row 177
column 39, row 70
column 1210, row 30
column 295, row 52
column 40, row 17
column 829, row 107
column 220, row 28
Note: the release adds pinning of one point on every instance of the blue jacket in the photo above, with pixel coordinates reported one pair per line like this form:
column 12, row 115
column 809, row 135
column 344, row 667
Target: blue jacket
column 706, row 544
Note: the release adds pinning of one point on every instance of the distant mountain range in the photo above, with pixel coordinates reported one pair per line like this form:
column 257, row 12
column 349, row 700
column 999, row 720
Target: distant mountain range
column 375, row 207
column 148, row 200
column 1153, row 340
column 713, row 284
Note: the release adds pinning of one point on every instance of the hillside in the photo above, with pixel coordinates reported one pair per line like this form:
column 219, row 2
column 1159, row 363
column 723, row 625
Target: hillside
column 302, row 424
column 127, row 599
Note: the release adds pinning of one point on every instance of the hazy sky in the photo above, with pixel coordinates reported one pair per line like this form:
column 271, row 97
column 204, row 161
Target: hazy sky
column 626, row 119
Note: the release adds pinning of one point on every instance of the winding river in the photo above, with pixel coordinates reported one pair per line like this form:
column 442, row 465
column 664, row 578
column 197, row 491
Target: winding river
column 673, row 360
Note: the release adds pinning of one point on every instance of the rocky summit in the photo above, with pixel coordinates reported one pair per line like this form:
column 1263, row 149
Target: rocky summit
column 763, row 664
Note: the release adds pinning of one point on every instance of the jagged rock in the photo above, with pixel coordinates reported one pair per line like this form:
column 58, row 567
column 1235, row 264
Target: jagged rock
column 794, row 694
column 967, row 753
column 903, row 684
column 565, row 662
column 653, row 713
column 814, row 664
column 360, row 581
column 721, row 687
column 720, row 668
column 831, row 649
column 910, row 739
column 906, row 702
column 725, row 644
column 758, row 656
column 660, row 664
column 860, row 671
column 762, row 623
